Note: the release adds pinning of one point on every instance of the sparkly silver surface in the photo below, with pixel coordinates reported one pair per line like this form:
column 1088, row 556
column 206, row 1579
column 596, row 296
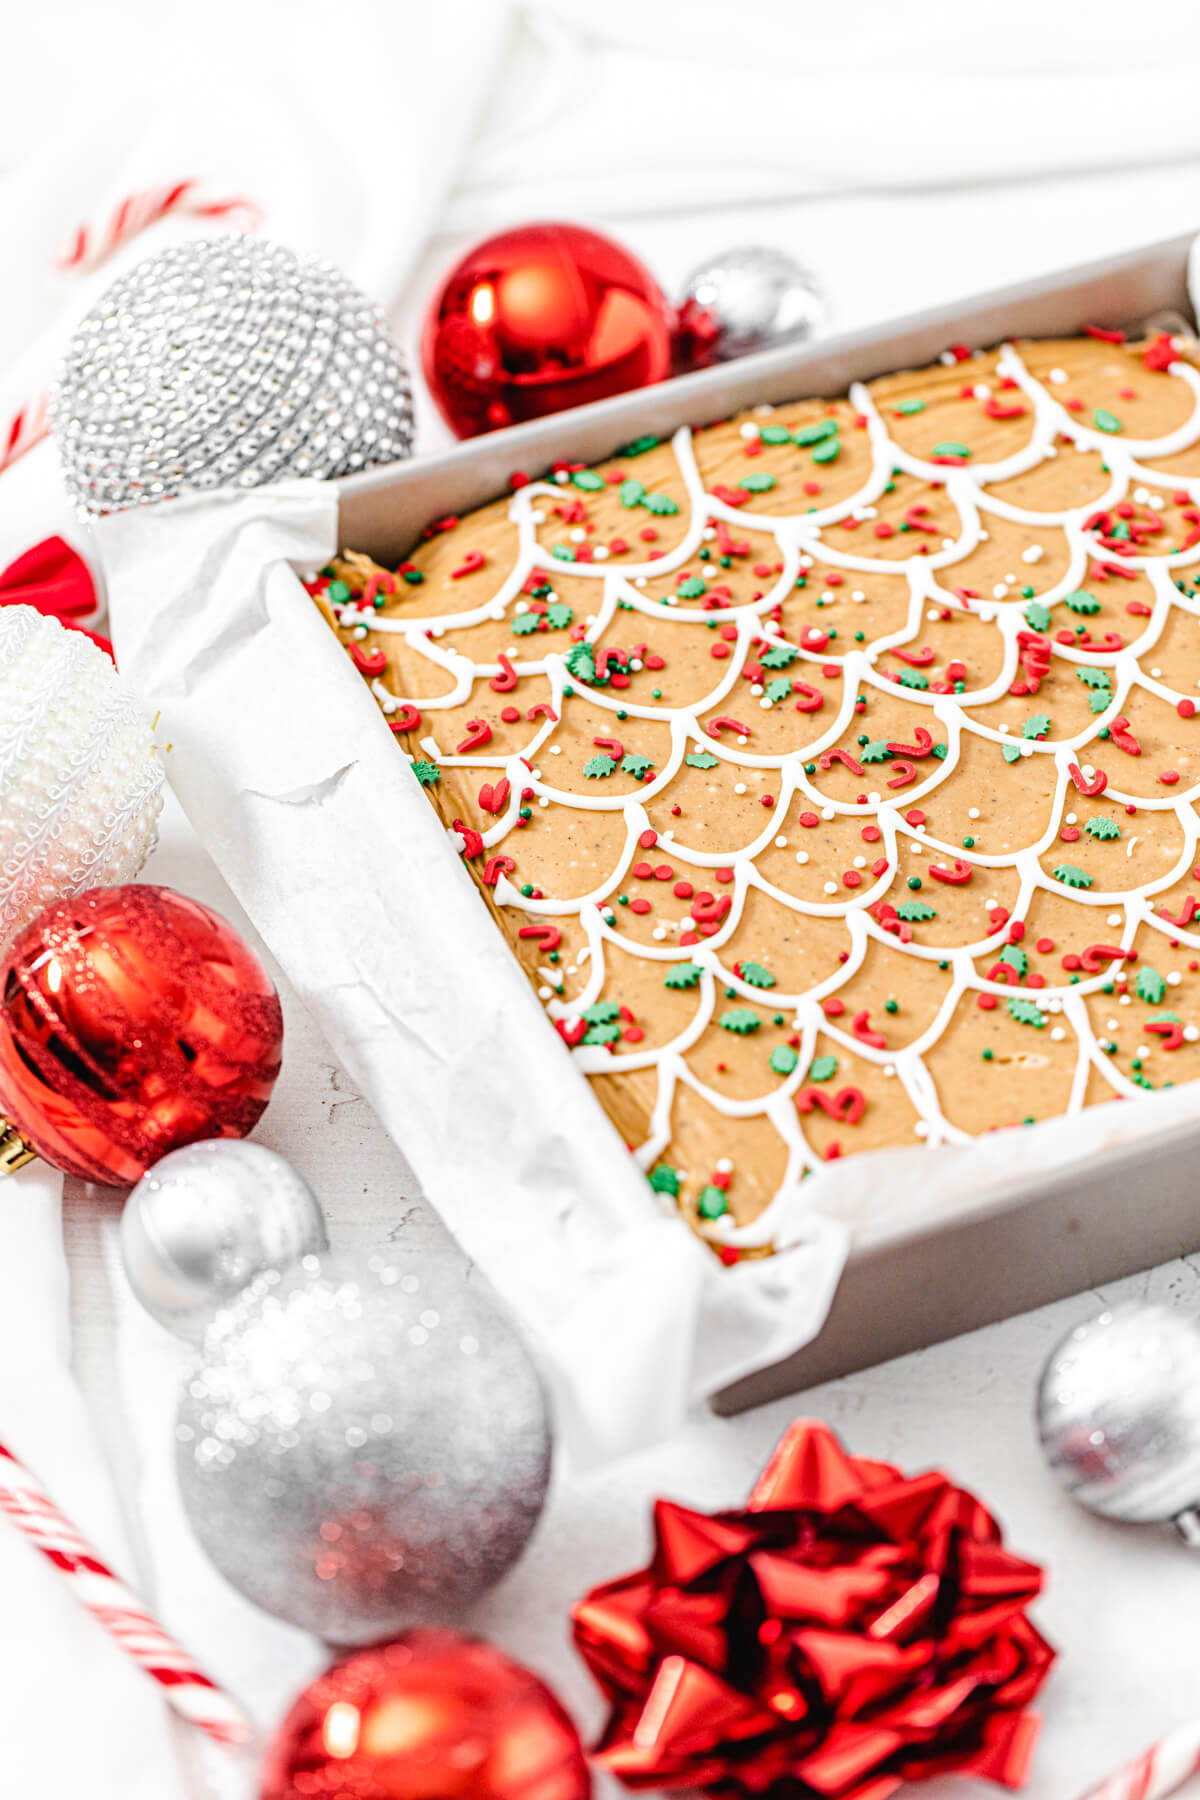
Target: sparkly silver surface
column 206, row 1220
column 226, row 362
column 365, row 1444
column 1118, row 1412
column 758, row 296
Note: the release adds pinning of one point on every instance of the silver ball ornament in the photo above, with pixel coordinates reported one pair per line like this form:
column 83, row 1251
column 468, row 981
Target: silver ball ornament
column 755, row 297
column 207, row 1219
column 226, row 362
column 365, row 1444
column 1118, row 1413
column 80, row 778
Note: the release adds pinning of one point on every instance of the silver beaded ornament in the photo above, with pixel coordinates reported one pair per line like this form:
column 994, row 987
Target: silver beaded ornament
column 1118, row 1414
column 365, row 1444
column 756, row 297
column 226, row 362
column 80, row 778
column 208, row 1218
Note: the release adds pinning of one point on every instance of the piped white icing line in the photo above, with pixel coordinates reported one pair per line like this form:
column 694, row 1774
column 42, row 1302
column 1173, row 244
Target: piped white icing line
column 792, row 540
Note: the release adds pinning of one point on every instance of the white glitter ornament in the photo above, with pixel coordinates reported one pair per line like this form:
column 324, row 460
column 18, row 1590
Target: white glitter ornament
column 80, row 779
column 365, row 1444
column 226, row 362
column 208, row 1218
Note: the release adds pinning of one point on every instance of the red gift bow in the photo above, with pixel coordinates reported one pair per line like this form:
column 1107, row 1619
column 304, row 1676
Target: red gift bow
column 52, row 578
column 850, row 1630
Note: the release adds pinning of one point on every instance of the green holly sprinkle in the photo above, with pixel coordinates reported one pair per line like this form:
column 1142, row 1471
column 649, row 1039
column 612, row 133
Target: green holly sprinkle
column 951, row 449
column 1150, row 986
column 601, row 1012
column 602, row 1034
column 1081, row 601
column 778, row 656
column 876, row 752
column 633, row 763
column 1093, row 677
column 665, row 1180
column 712, row 1203
column 1025, row 1012
column 1102, row 827
column 1105, row 421
column 694, row 588
column 777, row 690
column 581, row 662
column 1099, row 701
column 1010, row 752
column 775, row 434
column 828, row 451
column 1037, row 616
column 524, row 623
column 588, row 480
column 559, row 615
column 911, row 406
column 564, row 552
column 913, row 678
column 1070, row 876
column 756, row 976
column 942, row 751
column 783, row 1059
column 682, row 975
column 915, row 912
column 1038, row 726
column 598, row 766
column 742, row 1019
column 758, row 484
column 638, row 447
column 1015, row 957
column 815, row 434
column 660, row 503
column 823, row 1068
column 701, row 759
column 632, row 491
column 426, row 773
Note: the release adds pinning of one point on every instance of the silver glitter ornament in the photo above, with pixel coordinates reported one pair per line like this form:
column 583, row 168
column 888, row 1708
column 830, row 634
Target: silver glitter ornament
column 226, row 362
column 206, row 1220
column 365, row 1445
column 1118, row 1414
column 754, row 297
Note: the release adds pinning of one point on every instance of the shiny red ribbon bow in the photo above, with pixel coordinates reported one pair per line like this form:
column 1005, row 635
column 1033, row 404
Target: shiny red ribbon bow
column 57, row 582
column 850, row 1630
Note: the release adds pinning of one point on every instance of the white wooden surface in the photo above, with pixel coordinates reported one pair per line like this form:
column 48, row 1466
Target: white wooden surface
column 1122, row 1605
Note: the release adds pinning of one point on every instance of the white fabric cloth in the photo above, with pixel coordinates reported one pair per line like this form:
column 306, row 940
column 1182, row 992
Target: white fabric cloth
column 682, row 125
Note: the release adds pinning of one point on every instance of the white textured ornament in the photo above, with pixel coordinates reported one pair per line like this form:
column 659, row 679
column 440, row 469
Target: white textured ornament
column 208, row 1218
column 80, row 778
column 226, row 362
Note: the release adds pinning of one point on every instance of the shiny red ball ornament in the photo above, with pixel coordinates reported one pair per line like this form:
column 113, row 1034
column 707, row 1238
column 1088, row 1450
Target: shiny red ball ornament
column 133, row 1020
column 538, row 319
column 850, row 1630
column 430, row 1716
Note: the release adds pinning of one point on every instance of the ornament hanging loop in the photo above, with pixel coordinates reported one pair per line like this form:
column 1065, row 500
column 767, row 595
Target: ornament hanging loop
column 14, row 1151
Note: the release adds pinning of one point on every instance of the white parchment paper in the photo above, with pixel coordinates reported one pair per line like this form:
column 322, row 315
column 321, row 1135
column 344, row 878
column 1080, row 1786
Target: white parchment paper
column 292, row 780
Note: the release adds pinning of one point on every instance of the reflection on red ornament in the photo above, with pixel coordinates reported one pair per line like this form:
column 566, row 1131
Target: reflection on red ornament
column 133, row 1020
column 431, row 1716
column 538, row 319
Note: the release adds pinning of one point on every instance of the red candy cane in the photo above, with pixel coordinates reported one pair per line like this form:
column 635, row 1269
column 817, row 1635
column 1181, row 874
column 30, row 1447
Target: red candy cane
column 25, row 429
column 186, row 1689
column 91, row 244
column 1160, row 1771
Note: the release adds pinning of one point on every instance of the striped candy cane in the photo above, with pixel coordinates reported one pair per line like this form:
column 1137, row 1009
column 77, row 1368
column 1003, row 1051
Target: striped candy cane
column 1158, row 1772
column 185, row 1688
column 90, row 246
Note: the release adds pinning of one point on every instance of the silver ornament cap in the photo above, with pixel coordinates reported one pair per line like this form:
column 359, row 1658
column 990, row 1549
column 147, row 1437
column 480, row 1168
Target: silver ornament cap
column 207, row 1219
column 226, row 362
column 365, row 1444
column 1118, row 1413
column 754, row 297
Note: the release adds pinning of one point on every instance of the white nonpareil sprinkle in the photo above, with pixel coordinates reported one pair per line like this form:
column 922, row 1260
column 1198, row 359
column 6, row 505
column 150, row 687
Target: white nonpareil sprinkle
column 1058, row 377
column 831, row 887
column 1033, row 554
column 802, row 856
column 1058, row 1034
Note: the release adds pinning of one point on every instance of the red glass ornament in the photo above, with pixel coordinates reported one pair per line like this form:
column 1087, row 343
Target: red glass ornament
column 538, row 319
column 850, row 1630
column 430, row 1716
column 133, row 1020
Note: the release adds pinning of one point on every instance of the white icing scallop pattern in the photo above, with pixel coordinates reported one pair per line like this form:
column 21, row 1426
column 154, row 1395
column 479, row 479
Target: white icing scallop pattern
column 798, row 537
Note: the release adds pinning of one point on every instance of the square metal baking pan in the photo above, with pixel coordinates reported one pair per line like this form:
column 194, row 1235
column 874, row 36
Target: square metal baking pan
column 1031, row 1244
